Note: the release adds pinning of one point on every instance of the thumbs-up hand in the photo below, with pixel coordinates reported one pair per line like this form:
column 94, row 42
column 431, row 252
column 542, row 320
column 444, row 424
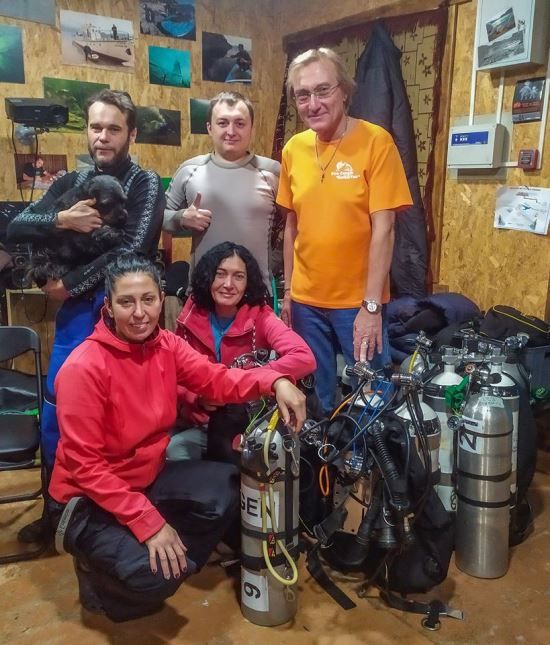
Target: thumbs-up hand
column 195, row 217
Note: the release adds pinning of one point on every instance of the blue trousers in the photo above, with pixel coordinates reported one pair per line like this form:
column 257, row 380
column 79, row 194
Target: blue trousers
column 329, row 332
column 74, row 322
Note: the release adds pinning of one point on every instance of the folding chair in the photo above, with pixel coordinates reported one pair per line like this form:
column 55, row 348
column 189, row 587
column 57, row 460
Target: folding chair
column 20, row 406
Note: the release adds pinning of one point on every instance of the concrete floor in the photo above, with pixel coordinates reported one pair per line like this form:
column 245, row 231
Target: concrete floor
column 38, row 602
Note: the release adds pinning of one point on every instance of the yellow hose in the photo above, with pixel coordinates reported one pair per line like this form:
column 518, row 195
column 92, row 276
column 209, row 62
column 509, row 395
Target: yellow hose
column 269, row 430
column 413, row 358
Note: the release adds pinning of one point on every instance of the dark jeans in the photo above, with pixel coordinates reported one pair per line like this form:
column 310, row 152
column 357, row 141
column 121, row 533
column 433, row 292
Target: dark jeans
column 328, row 331
column 199, row 499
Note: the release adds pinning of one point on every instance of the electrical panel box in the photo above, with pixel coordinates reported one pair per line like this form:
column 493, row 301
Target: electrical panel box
column 511, row 32
column 476, row 146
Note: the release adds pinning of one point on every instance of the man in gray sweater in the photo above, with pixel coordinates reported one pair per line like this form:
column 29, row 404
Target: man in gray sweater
column 228, row 194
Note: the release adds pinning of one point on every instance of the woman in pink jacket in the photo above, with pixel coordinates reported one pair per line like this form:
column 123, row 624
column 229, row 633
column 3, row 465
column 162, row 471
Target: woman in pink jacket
column 136, row 525
column 226, row 316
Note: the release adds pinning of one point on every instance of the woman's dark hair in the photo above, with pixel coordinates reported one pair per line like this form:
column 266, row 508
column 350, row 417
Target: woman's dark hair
column 256, row 292
column 129, row 263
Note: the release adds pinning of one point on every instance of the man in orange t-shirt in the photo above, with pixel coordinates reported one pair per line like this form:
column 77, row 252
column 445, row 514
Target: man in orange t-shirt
column 341, row 183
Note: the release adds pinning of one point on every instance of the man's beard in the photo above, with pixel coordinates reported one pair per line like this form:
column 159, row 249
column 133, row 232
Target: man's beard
column 121, row 156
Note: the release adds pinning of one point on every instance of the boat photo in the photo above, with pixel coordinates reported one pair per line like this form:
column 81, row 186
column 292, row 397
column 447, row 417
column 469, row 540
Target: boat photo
column 111, row 45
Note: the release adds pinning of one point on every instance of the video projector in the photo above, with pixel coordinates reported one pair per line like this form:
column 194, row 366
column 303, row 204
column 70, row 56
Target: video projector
column 38, row 113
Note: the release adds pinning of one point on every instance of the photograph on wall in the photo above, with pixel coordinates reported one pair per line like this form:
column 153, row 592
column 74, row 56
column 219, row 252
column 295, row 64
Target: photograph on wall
column 72, row 94
column 198, row 111
column 158, row 126
column 523, row 208
column 174, row 18
column 527, row 101
column 169, row 67
column 500, row 24
column 43, row 11
column 226, row 59
column 97, row 41
column 12, row 69
column 503, row 32
column 40, row 171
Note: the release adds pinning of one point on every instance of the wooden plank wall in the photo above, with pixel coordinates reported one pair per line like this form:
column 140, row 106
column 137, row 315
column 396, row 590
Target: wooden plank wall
column 42, row 53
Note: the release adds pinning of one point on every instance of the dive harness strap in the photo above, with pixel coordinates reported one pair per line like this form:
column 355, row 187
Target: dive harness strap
column 315, row 568
column 432, row 610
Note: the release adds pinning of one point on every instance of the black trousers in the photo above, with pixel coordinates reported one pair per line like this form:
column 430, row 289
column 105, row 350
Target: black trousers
column 199, row 499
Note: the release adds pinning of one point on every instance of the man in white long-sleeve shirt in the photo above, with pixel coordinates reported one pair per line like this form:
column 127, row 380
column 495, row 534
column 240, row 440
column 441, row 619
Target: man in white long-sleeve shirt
column 228, row 194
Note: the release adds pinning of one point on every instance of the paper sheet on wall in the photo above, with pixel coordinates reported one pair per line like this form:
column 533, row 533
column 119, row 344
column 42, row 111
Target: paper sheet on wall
column 523, row 209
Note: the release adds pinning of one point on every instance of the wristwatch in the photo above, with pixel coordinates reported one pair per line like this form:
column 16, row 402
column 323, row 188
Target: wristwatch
column 371, row 306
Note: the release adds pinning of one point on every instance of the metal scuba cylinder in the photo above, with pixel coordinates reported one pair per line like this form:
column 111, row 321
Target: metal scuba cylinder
column 434, row 395
column 483, row 485
column 508, row 391
column 269, row 523
column 432, row 428
column 418, row 362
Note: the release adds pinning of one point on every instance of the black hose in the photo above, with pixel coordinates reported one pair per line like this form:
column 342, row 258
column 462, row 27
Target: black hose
column 366, row 526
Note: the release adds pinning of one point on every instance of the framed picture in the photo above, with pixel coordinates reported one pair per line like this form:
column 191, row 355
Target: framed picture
column 97, row 41
column 226, row 59
column 511, row 32
column 527, row 102
column 158, row 126
column 172, row 18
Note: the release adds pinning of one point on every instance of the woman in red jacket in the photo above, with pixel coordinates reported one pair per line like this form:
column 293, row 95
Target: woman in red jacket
column 136, row 525
column 226, row 316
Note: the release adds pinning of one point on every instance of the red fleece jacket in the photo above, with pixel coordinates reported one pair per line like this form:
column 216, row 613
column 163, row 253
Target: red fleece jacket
column 116, row 402
column 254, row 327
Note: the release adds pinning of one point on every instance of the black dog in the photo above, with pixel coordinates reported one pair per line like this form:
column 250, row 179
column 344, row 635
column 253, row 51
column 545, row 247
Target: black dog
column 65, row 249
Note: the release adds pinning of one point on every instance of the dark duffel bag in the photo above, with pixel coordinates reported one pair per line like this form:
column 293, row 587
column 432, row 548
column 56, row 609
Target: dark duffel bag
column 502, row 321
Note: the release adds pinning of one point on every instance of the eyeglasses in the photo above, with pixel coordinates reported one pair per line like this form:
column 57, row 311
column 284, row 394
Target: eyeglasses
column 302, row 97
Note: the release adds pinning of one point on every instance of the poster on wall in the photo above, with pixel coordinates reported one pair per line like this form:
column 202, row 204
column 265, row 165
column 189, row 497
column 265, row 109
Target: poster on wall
column 169, row 67
column 173, row 18
column 97, row 41
column 72, row 94
column 527, row 101
column 158, row 126
column 198, row 112
column 226, row 59
column 37, row 11
column 522, row 208
column 42, row 170
column 12, row 69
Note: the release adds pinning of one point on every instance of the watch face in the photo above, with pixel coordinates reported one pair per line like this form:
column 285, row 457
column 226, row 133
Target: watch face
column 372, row 307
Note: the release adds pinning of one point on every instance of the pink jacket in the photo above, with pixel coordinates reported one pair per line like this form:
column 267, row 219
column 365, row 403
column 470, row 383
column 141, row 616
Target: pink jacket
column 116, row 402
column 254, row 327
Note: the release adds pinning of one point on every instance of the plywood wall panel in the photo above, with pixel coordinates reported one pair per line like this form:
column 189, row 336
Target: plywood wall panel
column 248, row 18
column 488, row 265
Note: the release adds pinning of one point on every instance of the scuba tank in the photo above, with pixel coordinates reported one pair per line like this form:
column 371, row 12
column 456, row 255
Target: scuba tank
column 269, row 523
column 434, row 396
column 432, row 428
column 483, row 484
column 418, row 362
column 508, row 391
